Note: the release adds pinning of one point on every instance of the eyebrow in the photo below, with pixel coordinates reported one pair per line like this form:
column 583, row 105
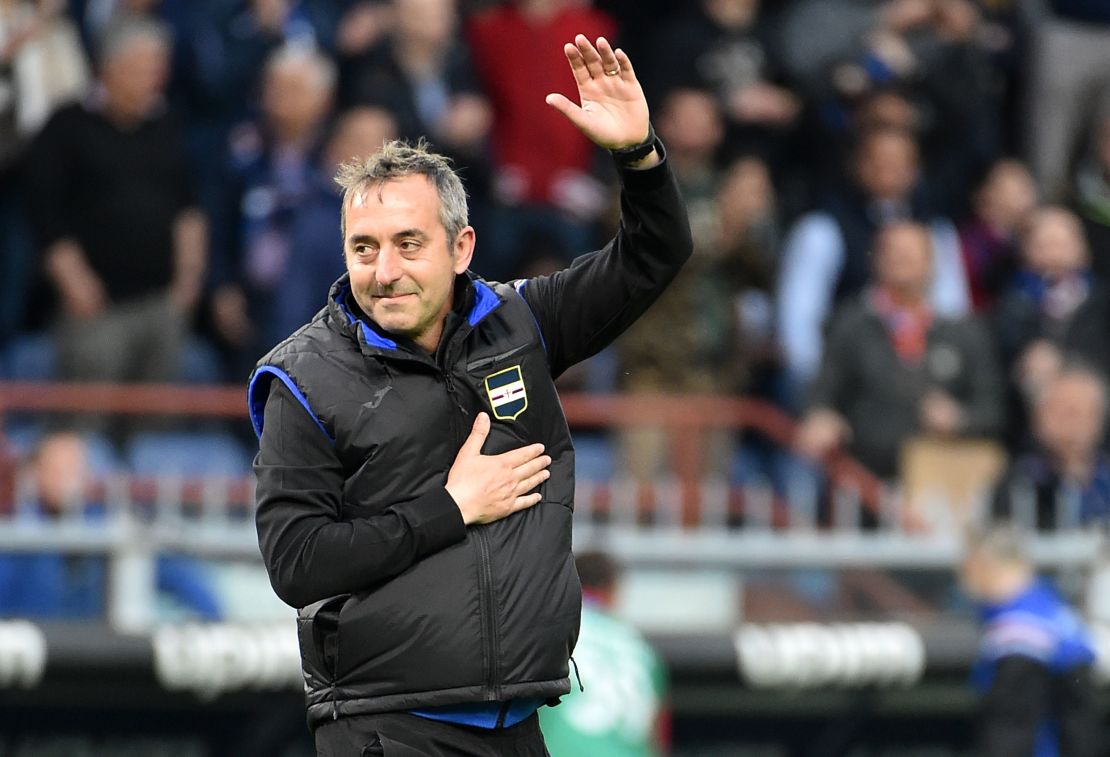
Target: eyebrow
column 370, row 239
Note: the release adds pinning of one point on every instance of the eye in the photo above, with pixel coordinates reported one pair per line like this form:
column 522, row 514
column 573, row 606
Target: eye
column 364, row 250
column 410, row 245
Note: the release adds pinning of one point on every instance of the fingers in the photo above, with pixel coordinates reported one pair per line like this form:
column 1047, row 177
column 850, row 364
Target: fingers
column 478, row 434
column 530, row 483
column 514, row 458
column 609, row 60
column 573, row 113
column 525, row 501
column 627, row 72
column 590, row 55
column 532, row 467
column 577, row 64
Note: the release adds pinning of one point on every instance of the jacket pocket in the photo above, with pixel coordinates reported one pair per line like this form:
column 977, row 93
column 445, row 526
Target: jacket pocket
column 318, row 631
column 487, row 362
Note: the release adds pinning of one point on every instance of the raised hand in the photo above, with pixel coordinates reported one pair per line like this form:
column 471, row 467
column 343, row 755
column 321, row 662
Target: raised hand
column 491, row 487
column 613, row 111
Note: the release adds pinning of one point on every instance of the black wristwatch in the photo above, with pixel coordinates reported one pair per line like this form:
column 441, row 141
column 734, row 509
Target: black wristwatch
column 627, row 156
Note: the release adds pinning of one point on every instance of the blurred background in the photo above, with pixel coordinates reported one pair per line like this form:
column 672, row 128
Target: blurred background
column 894, row 331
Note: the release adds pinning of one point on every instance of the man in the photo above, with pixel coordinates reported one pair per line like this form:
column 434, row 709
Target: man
column 1035, row 657
column 415, row 472
column 621, row 713
column 124, row 248
column 60, row 586
column 893, row 368
column 1065, row 481
column 825, row 257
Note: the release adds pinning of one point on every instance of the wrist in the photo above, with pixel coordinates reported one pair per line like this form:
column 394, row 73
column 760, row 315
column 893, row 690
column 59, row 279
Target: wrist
column 640, row 155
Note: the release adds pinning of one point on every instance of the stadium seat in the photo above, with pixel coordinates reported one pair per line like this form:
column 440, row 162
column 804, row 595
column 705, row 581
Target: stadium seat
column 29, row 357
column 198, row 453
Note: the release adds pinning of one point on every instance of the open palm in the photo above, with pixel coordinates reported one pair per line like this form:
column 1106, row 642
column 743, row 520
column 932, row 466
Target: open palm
column 613, row 111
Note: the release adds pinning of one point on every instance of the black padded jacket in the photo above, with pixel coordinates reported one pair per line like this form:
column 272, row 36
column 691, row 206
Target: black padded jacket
column 400, row 605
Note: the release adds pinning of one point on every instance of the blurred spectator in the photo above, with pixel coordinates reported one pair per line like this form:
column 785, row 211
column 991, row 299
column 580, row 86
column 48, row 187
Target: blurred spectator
column 1090, row 192
column 688, row 341
column 1054, row 310
column 541, row 162
column 1069, row 57
column 276, row 161
column 1033, row 670
column 619, row 711
column 894, row 367
column 74, row 586
column 422, row 72
column 1065, row 481
column 934, row 53
column 723, row 46
column 825, row 257
column 111, row 201
column 42, row 66
column 1001, row 206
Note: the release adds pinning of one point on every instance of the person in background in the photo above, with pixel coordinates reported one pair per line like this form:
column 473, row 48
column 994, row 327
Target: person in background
column 825, row 259
column 1055, row 309
column 686, row 342
column 125, row 248
column 1064, row 482
column 275, row 161
column 42, row 67
column 547, row 197
column 620, row 711
column 1033, row 670
column 1090, row 189
column 989, row 239
column 895, row 368
column 56, row 585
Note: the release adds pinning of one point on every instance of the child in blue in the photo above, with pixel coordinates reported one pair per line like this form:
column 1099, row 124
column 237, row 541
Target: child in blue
column 1033, row 668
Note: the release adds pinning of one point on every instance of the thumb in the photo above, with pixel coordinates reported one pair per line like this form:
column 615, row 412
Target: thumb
column 478, row 434
column 574, row 114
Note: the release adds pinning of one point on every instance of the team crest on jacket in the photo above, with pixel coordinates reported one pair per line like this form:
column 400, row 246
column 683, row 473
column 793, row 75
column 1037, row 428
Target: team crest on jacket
column 507, row 395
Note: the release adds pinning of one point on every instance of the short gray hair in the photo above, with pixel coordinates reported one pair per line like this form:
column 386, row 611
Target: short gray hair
column 397, row 159
column 324, row 68
column 1001, row 540
column 122, row 31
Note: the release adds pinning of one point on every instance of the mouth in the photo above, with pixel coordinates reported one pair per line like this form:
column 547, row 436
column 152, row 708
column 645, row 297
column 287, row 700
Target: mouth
column 393, row 297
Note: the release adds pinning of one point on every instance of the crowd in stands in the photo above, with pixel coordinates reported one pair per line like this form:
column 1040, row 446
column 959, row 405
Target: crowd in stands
column 900, row 208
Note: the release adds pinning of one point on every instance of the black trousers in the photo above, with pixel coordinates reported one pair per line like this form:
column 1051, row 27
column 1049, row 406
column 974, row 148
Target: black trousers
column 403, row 735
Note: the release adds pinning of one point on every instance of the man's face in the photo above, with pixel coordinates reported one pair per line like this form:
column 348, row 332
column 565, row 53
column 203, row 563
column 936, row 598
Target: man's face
column 903, row 259
column 135, row 76
column 294, row 96
column 1054, row 246
column 887, row 166
column 401, row 262
column 1069, row 417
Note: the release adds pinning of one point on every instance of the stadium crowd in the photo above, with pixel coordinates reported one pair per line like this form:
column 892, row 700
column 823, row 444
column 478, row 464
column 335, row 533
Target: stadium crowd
column 901, row 208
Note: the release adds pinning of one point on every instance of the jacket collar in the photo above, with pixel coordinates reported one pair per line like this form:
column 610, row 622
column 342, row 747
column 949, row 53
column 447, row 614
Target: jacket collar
column 478, row 300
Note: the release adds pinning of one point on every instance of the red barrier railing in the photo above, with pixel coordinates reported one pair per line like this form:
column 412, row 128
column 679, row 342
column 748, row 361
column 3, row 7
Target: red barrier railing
column 685, row 417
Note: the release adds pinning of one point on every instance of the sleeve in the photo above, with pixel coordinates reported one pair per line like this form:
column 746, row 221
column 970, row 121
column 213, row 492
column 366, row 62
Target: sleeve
column 310, row 552
column 582, row 309
column 984, row 410
column 1013, row 707
column 48, row 169
column 812, row 258
column 834, row 379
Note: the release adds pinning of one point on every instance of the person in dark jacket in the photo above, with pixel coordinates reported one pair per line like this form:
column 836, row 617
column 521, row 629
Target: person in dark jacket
column 415, row 471
column 895, row 368
column 1033, row 670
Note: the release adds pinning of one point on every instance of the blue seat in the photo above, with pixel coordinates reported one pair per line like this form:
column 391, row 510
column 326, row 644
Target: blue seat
column 199, row 453
column 29, row 357
column 594, row 459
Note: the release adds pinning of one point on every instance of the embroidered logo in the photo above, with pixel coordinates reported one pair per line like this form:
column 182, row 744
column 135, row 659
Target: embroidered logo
column 507, row 395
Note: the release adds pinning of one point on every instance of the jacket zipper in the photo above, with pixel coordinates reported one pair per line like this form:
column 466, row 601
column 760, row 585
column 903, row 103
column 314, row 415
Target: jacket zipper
column 487, row 600
column 487, row 604
column 486, row 361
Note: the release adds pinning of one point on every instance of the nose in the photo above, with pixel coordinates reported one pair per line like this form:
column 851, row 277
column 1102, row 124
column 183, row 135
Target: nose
column 388, row 268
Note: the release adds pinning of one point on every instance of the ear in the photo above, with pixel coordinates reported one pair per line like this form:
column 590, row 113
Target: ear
column 464, row 249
